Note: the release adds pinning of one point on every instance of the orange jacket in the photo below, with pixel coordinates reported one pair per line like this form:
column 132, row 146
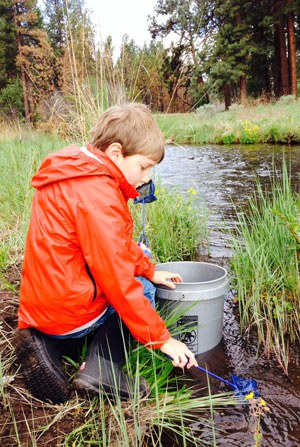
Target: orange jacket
column 80, row 256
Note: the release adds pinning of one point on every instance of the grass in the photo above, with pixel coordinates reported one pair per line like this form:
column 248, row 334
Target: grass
column 265, row 263
column 20, row 157
column 276, row 122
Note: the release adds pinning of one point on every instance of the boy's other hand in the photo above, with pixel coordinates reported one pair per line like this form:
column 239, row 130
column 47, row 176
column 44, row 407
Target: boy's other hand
column 166, row 278
column 179, row 352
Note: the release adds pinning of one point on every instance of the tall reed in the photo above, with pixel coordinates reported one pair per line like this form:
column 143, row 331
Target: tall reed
column 265, row 263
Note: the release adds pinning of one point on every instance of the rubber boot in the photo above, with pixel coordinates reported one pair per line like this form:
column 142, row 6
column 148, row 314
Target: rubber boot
column 102, row 369
column 39, row 357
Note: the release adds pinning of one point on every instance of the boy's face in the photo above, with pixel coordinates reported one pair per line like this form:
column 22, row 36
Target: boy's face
column 136, row 168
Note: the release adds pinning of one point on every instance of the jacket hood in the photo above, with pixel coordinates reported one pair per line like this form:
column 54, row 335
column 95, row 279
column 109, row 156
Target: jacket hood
column 73, row 162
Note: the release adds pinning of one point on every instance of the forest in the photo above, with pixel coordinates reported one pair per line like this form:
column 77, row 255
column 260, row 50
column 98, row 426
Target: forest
column 225, row 95
column 225, row 51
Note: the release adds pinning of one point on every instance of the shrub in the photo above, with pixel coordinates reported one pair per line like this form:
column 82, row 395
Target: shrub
column 207, row 110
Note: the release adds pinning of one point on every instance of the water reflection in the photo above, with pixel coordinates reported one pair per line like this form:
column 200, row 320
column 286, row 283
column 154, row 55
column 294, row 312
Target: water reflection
column 224, row 177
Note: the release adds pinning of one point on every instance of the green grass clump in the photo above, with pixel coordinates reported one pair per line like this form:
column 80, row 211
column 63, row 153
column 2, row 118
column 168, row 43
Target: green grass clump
column 175, row 227
column 276, row 122
column 265, row 263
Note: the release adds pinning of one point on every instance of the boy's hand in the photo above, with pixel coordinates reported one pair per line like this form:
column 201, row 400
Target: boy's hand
column 179, row 352
column 166, row 278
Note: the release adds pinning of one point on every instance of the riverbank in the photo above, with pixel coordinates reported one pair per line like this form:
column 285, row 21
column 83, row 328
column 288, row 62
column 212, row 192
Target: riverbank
column 277, row 122
column 271, row 123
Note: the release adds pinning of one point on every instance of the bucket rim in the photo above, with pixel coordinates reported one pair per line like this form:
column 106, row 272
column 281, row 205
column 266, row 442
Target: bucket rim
column 196, row 262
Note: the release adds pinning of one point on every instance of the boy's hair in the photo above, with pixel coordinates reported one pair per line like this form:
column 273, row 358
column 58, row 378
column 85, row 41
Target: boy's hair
column 133, row 127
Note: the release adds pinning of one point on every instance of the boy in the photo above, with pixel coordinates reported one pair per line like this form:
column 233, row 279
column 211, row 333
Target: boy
column 80, row 265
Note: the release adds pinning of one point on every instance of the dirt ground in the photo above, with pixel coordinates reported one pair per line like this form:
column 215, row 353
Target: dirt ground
column 25, row 421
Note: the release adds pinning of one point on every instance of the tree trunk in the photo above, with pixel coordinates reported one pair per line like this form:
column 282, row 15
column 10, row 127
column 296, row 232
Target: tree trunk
column 243, row 89
column 292, row 51
column 267, row 82
column 227, row 96
column 279, row 37
column 25, row 97
column 243, row 79
column 276, row 66
column 23, row 72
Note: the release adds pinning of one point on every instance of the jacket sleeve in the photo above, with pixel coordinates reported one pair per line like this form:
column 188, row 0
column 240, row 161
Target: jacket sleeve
column 143, row 265
column 104, row 233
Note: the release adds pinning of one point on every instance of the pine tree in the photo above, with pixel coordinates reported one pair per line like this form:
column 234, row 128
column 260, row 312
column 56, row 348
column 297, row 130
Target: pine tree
column 79, row 59
column 35, row 57
column 11, row 93
column 55, row 23
column 261, row 63
column 128, row 67
column 188, row 21
column 282, row 81
column 151, row 80
column 228, row 53
column 8, row 43
column 71, row 36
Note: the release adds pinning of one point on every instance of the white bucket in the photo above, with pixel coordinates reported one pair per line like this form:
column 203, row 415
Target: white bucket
column 201, row 300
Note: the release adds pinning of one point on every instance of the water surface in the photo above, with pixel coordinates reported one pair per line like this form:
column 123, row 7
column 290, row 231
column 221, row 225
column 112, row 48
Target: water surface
column 225, row 178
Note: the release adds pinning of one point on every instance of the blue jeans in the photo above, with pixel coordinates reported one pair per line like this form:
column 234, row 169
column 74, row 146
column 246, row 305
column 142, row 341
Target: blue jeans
column 149, row 293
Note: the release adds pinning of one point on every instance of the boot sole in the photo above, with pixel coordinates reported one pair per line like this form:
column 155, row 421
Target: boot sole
column 44, row 381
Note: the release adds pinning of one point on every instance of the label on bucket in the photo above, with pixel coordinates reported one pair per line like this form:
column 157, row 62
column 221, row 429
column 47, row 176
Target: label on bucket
column 189, row 332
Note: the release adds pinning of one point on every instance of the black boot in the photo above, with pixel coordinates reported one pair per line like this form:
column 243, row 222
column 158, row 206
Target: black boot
column 102, row 367
column 39, row 356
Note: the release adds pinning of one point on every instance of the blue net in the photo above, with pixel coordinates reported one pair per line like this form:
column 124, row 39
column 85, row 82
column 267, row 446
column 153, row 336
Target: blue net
column 245, row 386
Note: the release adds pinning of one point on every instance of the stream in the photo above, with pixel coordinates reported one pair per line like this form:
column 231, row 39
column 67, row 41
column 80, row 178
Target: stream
column 224, row 178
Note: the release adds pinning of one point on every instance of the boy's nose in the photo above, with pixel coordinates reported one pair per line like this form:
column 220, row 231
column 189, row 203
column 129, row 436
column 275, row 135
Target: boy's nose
column 146, row 177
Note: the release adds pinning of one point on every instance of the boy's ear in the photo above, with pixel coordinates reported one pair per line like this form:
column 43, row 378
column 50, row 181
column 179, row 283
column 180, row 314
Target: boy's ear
column 114, row 151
